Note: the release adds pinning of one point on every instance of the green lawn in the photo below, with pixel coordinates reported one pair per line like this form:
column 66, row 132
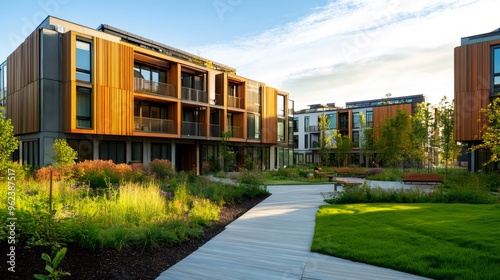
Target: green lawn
column 440, row 241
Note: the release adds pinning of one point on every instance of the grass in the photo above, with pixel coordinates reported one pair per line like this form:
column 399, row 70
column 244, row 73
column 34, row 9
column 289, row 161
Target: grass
column 440, row 241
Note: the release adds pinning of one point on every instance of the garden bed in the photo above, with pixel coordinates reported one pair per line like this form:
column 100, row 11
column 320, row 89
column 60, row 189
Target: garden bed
column 129, row 263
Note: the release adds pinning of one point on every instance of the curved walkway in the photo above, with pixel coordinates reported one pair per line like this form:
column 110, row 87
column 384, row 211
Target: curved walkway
column 272, row 241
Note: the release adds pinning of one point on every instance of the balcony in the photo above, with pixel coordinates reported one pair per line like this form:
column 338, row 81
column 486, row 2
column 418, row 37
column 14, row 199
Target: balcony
column 193, row 129
column 149, row 87
column 235, row 102
column 215, row 130
column 194, row 95
column 236, row 131
column 155, row 125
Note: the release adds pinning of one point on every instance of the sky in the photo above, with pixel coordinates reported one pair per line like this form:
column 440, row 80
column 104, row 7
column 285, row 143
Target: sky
column 319, row 51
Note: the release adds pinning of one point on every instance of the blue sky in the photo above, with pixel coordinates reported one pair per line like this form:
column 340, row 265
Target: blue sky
column 320, row 51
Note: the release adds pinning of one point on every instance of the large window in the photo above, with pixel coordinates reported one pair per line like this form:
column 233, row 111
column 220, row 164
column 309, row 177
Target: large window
column 281, row 105
column 30, row 152
column 306, row 124
column 369, row 118
column 161, row 151
column 150, row 73
column 281, row 130
column 82, row 147
column 112, row 150
column 83, row 61
column 83, row 107
column 355, row 120
column 253, row 126
column 290, row 132
column 191, row 80
column 137, row 152
column 333, row 120
column 355, row 139
column 496, row 71
column 306, row 141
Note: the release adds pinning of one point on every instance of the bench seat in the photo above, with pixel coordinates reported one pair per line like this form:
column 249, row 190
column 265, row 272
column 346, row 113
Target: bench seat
column 421, row 178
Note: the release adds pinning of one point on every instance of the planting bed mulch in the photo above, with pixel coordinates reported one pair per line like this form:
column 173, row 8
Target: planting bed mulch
column 138, row 263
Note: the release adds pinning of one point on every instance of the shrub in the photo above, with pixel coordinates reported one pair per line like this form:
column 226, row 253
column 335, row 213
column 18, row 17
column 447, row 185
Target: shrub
column 161, row 169
column 43, row 174
column 64, row 157
column 96, row 173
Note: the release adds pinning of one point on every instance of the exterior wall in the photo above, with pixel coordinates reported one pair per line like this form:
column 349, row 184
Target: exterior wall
column 472, row 88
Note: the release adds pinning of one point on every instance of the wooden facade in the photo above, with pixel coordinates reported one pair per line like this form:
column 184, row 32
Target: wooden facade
column 23, row 80
column 472, row 89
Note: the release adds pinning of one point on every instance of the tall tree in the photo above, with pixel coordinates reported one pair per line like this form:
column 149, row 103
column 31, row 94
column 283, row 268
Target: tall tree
column 326, row 138
column 366, row 141
column 343, row 146
column 423, row 133
column 491, row 132
column 8, row 142
column 394, row 143
column 446, row 125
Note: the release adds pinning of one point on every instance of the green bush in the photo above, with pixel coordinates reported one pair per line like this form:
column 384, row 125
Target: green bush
column 161, row 169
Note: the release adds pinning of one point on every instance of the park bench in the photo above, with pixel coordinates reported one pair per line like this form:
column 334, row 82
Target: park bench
column 329, row 175
column 421, row 178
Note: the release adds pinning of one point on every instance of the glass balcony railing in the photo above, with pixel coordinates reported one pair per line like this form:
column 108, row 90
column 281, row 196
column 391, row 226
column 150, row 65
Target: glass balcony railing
column 194, row 95
column 155, row 125
column 236, row 131
column 215, row 130
column 235, row 102
column 156, row 88
column 193, row 129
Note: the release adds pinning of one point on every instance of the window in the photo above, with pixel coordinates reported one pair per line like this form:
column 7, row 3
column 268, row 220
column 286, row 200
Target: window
column 306, row 124
column 344, row 121
column 295, row 124
column 333, row 120
column 83, row 61
column 295, row 141
column 112, row 150
column 137, row 152
column 290, row 132
column 369, row 118
column 195, row 81
column 290, row 108
column 161, row 151
column 281, row 130
column 355, row 139
column 496, row 71
column 232, row 90
column 83, row 149
column 281, row 105
column 306, row 141
column 355, row 120
column 83, row 107
column 253, row 126
column 30, row 152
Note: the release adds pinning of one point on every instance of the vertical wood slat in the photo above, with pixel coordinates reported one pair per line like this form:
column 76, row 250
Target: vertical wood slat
column 472, row 88
column 380, row 114
column 23, row 78
column 269, row 116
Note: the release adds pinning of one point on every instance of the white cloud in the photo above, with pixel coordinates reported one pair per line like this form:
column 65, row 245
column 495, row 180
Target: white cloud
column 363, row 49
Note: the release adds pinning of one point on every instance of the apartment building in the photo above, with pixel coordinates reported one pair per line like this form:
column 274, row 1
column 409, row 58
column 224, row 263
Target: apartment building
column 346, row 121
column 477, row 83
column 118, row 96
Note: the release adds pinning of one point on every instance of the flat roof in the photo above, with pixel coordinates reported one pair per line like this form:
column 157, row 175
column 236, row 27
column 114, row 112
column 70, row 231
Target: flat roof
column 479, row 38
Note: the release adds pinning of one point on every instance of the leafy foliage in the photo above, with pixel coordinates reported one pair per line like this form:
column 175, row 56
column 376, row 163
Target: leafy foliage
column 325, row 140
column 64, row 156
column 491, row 133
column 52, row 265
column 8, row 142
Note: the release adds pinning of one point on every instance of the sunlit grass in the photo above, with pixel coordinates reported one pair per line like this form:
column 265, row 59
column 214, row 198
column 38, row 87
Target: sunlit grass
column 440, row 241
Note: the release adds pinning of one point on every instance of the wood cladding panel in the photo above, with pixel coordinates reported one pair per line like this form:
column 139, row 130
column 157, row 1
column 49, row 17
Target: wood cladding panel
column 113, row 111
column 114, row 64
column 270, row 116
column 472, row 88
column 23, row 91
column 381, row 113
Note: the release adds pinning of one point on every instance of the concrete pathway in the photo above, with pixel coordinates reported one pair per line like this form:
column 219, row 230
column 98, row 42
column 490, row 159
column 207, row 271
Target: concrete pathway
column 272, row 241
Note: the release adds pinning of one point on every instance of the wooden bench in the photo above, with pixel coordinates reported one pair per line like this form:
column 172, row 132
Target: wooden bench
column 329, row 175
column 421, row 178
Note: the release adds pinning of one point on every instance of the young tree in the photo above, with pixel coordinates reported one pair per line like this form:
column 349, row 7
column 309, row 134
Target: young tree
column 447, row 143
column 227, row 153
column 325, row 141
column 491, row 132
column 64, row 156
column 342, row 148
column 8, row 142
column 423, row 133
column 366, row 141
column 394, row 142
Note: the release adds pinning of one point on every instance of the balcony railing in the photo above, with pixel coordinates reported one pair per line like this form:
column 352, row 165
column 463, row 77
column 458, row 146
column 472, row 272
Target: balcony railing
column 157, row 88
column 215, row 130
column 194, row 95
column 236, row 131
column 253, row 107
column 155, row 125
column 235, row 102
column 193, row 129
